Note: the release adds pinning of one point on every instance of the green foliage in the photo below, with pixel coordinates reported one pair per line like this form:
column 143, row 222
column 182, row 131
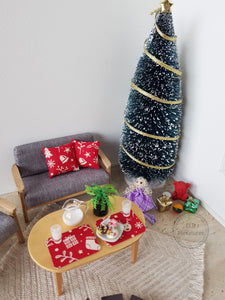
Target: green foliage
column 101, row 195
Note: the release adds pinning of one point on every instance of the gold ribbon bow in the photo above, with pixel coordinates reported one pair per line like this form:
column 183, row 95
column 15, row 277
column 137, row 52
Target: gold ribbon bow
column 165, row 200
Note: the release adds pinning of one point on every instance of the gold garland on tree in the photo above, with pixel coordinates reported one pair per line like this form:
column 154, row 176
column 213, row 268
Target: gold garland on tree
column 165, row 6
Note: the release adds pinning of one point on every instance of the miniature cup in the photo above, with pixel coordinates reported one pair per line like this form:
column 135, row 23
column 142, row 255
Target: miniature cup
column 56, row 232
column 126, row 207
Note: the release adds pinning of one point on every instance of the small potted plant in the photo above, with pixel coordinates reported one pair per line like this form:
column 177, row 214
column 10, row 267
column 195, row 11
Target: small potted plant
column 100, row 198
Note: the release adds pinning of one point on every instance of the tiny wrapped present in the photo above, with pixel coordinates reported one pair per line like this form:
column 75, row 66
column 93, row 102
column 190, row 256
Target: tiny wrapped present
column 164, row 202
column 191, row 205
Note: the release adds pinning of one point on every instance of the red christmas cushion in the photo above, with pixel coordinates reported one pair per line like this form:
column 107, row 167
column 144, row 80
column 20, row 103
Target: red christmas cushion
column 87, row 153
column 60, row 159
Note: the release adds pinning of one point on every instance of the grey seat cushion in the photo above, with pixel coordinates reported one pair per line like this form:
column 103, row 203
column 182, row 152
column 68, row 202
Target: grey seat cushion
column 40, row 188
column 30, row 159
column 8, row 227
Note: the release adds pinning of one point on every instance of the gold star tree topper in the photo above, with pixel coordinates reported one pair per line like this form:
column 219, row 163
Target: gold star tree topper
column 166, row 6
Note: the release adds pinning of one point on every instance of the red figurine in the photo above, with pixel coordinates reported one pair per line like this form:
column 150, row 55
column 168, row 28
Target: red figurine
column 180, row 190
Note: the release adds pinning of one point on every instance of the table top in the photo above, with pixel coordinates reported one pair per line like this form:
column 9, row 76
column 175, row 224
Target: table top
column 41, row 232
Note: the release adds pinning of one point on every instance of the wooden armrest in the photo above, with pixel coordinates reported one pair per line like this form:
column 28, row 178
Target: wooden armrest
column 105, row 161
column 18, row 179
column 7, row 206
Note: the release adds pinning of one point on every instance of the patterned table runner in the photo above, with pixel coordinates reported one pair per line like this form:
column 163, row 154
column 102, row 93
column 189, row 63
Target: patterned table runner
column 132, row 226
column 75, row 245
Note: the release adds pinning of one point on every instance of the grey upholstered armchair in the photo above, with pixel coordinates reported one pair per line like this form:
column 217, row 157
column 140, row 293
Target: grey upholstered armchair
column 9, row 223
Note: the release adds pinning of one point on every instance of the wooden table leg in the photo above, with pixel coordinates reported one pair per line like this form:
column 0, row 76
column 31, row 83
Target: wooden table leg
column 134, row 249
column 58, row 281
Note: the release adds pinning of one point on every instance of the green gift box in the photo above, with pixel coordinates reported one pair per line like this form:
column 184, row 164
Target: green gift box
column 191, row 205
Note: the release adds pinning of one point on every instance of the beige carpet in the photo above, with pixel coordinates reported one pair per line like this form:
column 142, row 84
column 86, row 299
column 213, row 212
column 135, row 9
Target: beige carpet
column 164, row 270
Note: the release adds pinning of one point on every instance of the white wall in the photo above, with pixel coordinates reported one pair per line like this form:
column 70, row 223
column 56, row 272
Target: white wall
column 200, row 31
column 65, row 67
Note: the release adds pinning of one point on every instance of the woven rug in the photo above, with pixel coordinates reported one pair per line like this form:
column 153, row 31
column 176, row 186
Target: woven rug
column 164, row 270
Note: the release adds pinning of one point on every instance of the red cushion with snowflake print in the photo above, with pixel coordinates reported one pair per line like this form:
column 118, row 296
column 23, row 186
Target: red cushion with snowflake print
column 87, row 153
column 60, row 159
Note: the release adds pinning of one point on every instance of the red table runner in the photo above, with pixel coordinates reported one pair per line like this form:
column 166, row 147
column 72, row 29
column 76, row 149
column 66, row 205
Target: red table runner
column 132, row 226
column 75, row 245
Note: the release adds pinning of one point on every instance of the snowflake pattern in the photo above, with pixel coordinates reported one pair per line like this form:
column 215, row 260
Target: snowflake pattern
column 138, row 225
column 51, row 163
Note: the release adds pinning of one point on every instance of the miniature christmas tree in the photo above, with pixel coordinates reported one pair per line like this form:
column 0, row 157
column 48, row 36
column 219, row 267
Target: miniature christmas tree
column 149, row 141
column 47, row 153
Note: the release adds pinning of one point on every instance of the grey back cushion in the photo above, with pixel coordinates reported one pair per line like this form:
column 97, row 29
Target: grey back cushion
column 30, row 159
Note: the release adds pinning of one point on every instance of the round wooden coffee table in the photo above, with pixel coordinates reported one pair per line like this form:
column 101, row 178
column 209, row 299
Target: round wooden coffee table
column 41, row 232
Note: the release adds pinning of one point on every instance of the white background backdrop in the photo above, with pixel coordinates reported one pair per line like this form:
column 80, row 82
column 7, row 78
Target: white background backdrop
column 66, row 68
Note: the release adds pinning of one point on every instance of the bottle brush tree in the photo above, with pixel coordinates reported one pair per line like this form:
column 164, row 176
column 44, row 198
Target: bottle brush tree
column 152, row 118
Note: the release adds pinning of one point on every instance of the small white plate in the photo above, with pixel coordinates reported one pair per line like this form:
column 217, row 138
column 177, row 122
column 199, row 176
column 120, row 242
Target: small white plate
column 105, row 238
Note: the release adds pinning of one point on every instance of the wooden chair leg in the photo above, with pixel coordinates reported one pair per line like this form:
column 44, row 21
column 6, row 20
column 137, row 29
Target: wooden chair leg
column 25, row 215
column 20, row 237
column 19, row 231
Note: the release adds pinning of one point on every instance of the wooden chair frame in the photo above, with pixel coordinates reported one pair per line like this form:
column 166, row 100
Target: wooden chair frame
column 103, row 161
column 10, row 210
